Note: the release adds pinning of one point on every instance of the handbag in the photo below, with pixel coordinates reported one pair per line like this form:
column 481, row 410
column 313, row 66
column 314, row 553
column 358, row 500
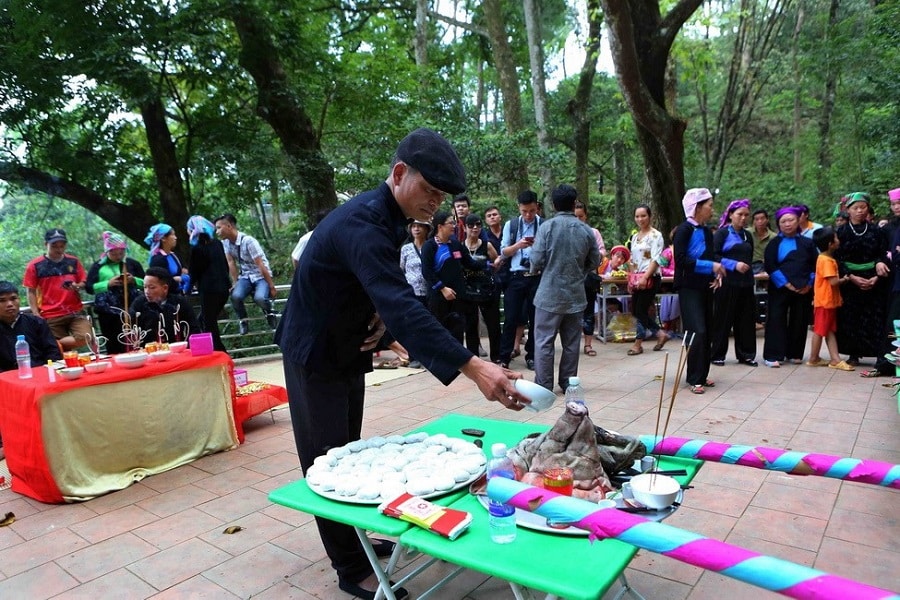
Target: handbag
column 633, row 282
column 479, row 286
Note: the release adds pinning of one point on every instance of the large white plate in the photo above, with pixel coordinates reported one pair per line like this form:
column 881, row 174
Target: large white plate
column 530, row 520
column 354, row 500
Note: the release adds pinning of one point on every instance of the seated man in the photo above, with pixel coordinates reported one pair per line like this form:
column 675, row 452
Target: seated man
column 13, row 323
column 161, row 306
column 53, row 282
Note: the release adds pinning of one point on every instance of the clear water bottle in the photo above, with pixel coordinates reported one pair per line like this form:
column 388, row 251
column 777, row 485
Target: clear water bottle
column 23, row 357
column 502, row 517
column 574, row 393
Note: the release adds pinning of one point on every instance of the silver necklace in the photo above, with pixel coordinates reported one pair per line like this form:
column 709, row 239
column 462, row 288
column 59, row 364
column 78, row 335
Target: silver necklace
column 863, row 232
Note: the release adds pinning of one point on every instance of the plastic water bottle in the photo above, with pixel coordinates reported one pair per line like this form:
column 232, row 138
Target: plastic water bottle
column 502, row 517
column 574, row 393
column 23, row 357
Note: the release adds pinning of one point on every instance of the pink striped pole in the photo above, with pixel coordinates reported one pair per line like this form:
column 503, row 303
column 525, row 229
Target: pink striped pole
column 774, row 574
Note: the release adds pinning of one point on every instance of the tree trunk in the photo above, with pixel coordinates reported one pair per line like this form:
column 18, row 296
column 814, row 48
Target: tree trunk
column 538, row 86
column 578, row 106
column 798, row 95
column 281, row 108
column 509, row 83
column 640, row 39
column 619, row 169
column 172, row 198
column 421, row 40
column 824, row 166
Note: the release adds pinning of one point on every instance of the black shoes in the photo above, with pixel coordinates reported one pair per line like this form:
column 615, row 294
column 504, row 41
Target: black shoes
column 272, row 320
column 354, row 590
column 383, row 548
column 529, row 363
column 750, row 362
column 243, row 328
column 719, row 363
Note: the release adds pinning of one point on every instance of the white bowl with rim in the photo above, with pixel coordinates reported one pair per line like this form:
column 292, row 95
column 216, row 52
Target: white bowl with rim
column 71, row 373
column 97, row 367
column 131, row 360
column 160, row 355
column 541, row 398
column 655, row 491
column 178, row 347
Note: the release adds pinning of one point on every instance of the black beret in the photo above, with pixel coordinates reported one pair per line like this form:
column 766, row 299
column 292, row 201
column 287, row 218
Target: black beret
column 430, row 154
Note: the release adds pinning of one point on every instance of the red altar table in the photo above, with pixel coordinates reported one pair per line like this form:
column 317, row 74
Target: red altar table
column 74, row 440
column 254, row 399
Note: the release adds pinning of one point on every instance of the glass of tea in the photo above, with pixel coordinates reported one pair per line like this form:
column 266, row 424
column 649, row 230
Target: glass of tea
column 561, row 481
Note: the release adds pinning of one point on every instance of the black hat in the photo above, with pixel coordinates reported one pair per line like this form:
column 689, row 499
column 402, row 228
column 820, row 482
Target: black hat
column 430, row 154
column 55, row 235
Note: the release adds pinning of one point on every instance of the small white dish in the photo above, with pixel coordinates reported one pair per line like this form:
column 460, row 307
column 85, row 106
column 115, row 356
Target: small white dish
column 131, row 360
column 541, row 398
column 160, row 355
column 71, row 373
column 178, row 347
column 97, row 367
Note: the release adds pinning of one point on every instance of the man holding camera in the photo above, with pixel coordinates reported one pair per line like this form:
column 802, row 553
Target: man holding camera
column 518, row 299
column 53, row 282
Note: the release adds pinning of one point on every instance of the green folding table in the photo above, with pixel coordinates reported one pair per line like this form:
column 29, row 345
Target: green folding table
column 565, row 566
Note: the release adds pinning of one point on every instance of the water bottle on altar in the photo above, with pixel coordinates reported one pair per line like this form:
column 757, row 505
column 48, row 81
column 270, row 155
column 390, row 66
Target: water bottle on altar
column 502, row 517
column 23, row 357
column 575, row 393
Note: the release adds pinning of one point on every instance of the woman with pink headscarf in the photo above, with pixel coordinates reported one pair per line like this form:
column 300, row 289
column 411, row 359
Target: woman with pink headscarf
column 697, row 274
column 107, row 279
column 734, row 304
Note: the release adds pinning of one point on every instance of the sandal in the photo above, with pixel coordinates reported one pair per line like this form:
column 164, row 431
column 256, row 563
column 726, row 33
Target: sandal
column 514, row 354
column 871, row 373
column 400, row 362
column 385, row 364
column 633, row 352
column 710, row 383
column 697, row 389
column 819, row 362
column 843, row 366
column 661, row 340
column 590, row 351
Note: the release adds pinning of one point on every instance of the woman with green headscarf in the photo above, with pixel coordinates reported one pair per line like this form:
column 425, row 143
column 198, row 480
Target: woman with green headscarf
column 863, row 256
column 107, row 280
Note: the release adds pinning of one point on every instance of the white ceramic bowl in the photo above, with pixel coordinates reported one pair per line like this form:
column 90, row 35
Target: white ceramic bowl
column 97, row 367
column 655, row 491
column 71, row 373
column 160, row 355
column 177, row 347
column 131, row 360
column 541, row 398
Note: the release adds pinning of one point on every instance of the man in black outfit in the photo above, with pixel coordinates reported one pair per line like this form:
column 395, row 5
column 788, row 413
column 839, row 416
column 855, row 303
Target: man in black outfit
column 13, row 323
column 347, row 288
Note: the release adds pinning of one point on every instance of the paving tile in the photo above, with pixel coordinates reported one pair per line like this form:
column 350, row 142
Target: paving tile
column 733, row 476
column 121, row 498
column 875, row 531
column 256, row 529
column 175, row 478
column 199, row 587
column 235, row 505
column 793, row 500
column 698, row 520
column 44, row 581
column 230, row 480
column 304, row 541
column 650, row 585
column 111, row 585
column 713, row 586
column 176, row 500
column 806, row 482
column 281, row 591
column 105, row 556
column 781, row 527
column 54, row 519
column 39, row 551
column 243, row 576
column 829, row 427
column 317, row 579
column 222, row 461
column 178, row 563
column 667, row 569
column 267, row 447
column 276, row 464
column 871, row 499
column 180, row 527
column 859, row 562
column 112, row 523
column 782, row 551
column 838, row 445
column 726, row 501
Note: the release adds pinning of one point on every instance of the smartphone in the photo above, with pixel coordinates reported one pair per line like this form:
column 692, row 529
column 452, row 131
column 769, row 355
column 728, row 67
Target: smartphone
column 529, row 239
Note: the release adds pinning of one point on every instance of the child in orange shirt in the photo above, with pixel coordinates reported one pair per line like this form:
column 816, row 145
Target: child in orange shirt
column 826, row 300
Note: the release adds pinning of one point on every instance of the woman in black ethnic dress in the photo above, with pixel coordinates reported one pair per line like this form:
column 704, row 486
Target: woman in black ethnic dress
column 863, row 256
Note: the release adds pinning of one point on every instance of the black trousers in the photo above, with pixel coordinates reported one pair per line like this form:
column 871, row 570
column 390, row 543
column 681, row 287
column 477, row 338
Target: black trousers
column 490, row 312
column 641, row 301
column 327, row 412
column 211, row 305
column 518, row 304
column 734, row 308
column 451, row 314
column 696, row 318
column 786, row 324
column 111, row 327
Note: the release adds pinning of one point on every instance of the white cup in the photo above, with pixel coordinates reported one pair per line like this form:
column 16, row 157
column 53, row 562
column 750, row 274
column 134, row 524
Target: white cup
column 606, row 504
column 648, row 463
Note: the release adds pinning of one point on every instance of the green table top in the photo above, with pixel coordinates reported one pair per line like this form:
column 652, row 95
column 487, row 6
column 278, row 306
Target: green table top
column 569, row 566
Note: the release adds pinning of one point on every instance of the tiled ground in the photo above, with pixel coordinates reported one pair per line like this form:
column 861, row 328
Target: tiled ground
column 163, row 537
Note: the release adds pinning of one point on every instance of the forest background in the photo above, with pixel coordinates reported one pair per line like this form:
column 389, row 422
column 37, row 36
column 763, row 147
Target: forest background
column 117, row 115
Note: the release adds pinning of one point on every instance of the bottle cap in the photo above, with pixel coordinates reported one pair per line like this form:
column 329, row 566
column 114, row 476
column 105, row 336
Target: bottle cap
column 574, row 381
column 498, row 450
column 20, row 338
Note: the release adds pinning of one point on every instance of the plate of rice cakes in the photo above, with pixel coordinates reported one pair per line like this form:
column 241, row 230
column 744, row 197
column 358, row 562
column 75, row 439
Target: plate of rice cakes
column 381, row 468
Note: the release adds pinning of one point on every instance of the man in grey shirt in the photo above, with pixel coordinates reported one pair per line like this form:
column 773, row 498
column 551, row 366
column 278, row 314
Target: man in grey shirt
column 565, row 250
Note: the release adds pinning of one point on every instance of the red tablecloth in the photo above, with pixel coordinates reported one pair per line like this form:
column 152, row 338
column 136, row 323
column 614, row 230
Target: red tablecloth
column 183, row 404
column 250, row 404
